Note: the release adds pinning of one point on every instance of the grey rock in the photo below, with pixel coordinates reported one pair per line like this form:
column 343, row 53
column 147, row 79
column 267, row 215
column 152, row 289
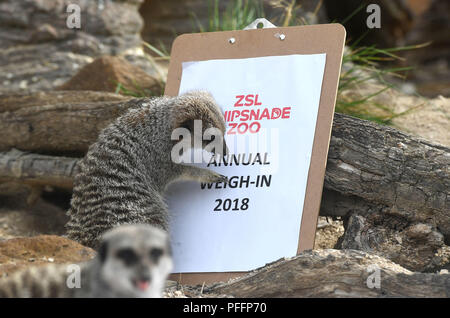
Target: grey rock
column 39, row 52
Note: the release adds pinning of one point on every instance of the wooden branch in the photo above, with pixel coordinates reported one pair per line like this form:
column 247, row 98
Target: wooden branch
column 334, row 273
column 393, row 190
column 12, row 102
column 37, row 170
column 385, row 167
column 53, row 127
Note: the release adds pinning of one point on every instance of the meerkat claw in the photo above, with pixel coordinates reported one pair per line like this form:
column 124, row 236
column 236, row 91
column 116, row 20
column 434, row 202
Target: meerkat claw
column 222, row 178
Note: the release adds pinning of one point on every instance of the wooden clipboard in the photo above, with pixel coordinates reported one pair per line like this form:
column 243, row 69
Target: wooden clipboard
column 325, row 38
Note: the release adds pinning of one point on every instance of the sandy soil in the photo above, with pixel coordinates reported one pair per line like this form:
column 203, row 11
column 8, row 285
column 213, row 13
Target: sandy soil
column 328, row 232
column 419, row 116
column 18, row 219
column 430, row 120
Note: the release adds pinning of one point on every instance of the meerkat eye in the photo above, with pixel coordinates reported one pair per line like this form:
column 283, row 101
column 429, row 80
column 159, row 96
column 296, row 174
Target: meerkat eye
column 128, row 256
column 155, row 254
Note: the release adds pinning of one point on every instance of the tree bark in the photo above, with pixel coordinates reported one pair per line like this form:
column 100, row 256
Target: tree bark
column 334, row 273
column 37, row 170
column 42, row 124
column 383, row 166
column 393, row 191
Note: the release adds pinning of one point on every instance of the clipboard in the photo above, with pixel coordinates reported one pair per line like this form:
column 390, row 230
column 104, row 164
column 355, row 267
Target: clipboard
column 272, row 41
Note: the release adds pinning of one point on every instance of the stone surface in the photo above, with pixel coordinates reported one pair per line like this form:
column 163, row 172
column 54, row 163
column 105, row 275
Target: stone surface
column 39, row 52
column 25, row 214
column 107, row 72
column 428, row 118
column 425, row 118
column 19, row 253
column 105, row 26
column 165, row 19
column 417, row 246
column 328, row 233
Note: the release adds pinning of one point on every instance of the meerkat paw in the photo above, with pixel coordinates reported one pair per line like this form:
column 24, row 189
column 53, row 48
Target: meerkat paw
column 216, row 177
column 203, row 175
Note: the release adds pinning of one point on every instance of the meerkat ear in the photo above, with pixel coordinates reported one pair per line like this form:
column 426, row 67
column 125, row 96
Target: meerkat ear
column 103, row 251
column 190, row 107
column 187, row 123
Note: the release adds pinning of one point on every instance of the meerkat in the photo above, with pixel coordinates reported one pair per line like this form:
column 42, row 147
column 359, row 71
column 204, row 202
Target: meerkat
column 132, row 261
column 124, row 176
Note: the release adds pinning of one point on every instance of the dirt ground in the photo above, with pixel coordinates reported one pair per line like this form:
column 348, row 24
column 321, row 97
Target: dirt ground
column 328, row 232
column 419, row 116
column 430, row 120
column 18, row 219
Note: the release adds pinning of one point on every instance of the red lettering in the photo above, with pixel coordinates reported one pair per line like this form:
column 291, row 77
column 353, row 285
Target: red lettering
column 231, row 131
column 244, row 115
column 276, row 113
column 240, row 98
column 265, row 114
column 258, row 127
column 286, row 112
column 256, row 101
column 245, row 128
column 235, row 114
column 254, row 115
column 249, row 100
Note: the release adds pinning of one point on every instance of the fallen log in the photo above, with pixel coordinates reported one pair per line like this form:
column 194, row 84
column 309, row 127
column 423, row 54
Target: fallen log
column 392, row 189
column 382, row 165
column 52, row 127
column 37, row 170
column 12, row 102
column 334, row 273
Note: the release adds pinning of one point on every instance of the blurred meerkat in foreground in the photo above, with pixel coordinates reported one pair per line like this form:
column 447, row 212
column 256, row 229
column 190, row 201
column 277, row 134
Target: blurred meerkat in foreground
column 132, row 261
column 124, row 175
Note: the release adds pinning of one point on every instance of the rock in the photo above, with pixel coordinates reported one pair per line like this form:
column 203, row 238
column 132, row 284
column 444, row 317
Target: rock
column 39, row 52
column 328, row 233
column 19, row 253
column 111, row 27
column 416, row 246
column 419, row 116
column 431, row 64
column 21, row 216
column 396, row 20
column 426, row 118
column 165, row 19
column 403, row 24
column 106, row 72
column 430, row 22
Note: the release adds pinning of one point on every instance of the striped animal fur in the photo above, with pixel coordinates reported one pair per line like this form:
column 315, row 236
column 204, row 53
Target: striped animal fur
column 124, row 175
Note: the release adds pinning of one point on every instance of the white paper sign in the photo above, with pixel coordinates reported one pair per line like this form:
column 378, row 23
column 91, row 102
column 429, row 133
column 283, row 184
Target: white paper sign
column 270, row 105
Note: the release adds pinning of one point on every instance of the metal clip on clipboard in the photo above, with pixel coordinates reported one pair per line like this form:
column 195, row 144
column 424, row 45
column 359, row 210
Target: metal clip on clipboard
column 266, row 24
